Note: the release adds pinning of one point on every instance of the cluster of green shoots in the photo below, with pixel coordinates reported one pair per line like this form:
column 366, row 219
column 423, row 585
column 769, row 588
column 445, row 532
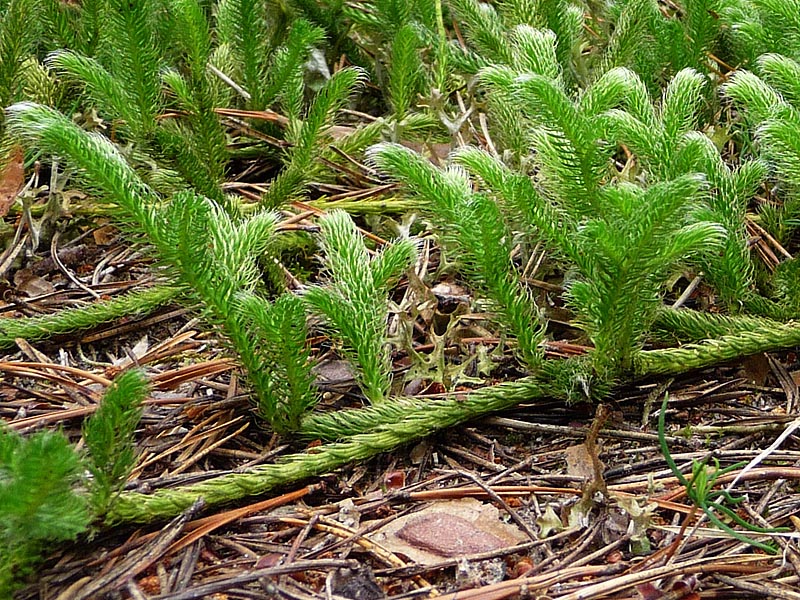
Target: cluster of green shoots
column 602, row 148
column 45, row 493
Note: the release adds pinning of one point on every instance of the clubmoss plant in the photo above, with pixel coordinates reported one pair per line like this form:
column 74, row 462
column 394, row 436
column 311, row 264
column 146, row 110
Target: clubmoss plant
column 473, row 230
column 19, row 35
column 406, row 75
column 754, row 28
column 75, row 319
column 108, row 434
column 287, row 394
column 572, row 158
column 623, row 259
column 354, row 302
column 660, row 137
column 44, row 495
column 308, row 133
column 123, row 79
column 215, row 255
column 39, row 501
column 666, row 143
column 772, row 106
column 267, row 71
column 488, row 29
column 623, row 240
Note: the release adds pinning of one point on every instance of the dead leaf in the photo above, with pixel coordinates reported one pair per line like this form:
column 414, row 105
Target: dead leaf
column 358, row 584
column 12, row 178
column 419, row 451
column 334, row 372
column 756, row 369
column 32, row 285
column 448, row 528
column 448, row 535
column 105, row 236
column 579, row 462
column 394, row 480
column 640, row 519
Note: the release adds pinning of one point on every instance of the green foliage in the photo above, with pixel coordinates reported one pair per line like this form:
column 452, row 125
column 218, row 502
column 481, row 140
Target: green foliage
column 129, row 89
column 39, row 502
column 73, row 25
column 281, row 332
column 73, row 319
column 197, row 143
column 405, row 75
column 217, row 258
column 660, row 137
column 730, row 271
column 102, row 165
column 354, row 302
column 772, row 106
column 308, row 136
column 666, row 145
column 131, row 53
column 657, row 42
column 624, row 257
column 109, row 437
column 107, row 89
column 701, row 28
column 599, row 154
column 213, row 254
column 632, row 43
column 19, row 34
column 472, row 229
column 565, row 18
column 622, row 241
column 786, row 287
column 484, row 29
column 571, row 157
column 757, row 27
column 267, row 69
column 156, row 55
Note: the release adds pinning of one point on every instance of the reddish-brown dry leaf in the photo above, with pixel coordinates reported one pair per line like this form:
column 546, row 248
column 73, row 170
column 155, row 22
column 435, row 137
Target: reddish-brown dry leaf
column 12, row 178
column 105, row 236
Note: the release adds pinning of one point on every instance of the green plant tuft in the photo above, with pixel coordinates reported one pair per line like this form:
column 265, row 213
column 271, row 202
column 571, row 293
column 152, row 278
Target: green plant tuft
column 108, row 434
column 354, row 302
column 39, row 501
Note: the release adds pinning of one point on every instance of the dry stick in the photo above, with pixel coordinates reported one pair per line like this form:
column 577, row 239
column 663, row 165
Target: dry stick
column 119, row 330
column 204, row 526
column 580, row 432
column 163, row 381
column 525, row 490
column 618, row 584
column 322, row 523
column 63, row 268
column 39, row 421
column 417, row 569
column 343, row 531
column 765, row 590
